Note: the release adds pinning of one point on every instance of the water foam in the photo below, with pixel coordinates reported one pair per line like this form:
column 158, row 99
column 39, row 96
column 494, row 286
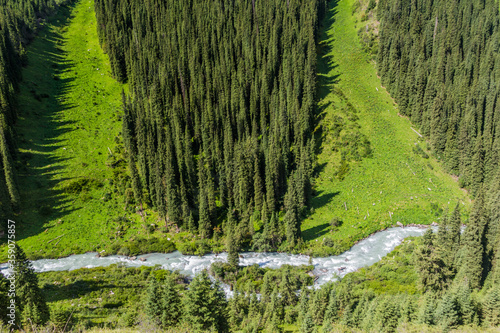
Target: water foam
column 365, row 253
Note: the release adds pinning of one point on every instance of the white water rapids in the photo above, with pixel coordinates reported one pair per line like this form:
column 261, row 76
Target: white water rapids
column 365, row 253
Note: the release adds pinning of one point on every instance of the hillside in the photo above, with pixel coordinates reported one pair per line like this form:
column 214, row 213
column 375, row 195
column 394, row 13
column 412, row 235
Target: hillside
column 387, row 173
column 68, row 127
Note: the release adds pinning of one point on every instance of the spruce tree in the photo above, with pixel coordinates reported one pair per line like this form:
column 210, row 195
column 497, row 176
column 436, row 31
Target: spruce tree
column 303, row 305
column 447, row 312
column 307, row 325
column 233, row 257
column 433, row 272
column 170, row 303
column 333, row 308
column 473, row 246
column 466, row 308
column 287, row 288
column 4, row 299
column 387, row 316
column 29, row 297
column 154, row 306
column 492, row 307
column 205, row 305
column 427, row 309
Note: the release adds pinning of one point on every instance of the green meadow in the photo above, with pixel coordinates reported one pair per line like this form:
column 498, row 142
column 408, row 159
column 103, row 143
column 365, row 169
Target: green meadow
column 68, row 129
column 387, row 173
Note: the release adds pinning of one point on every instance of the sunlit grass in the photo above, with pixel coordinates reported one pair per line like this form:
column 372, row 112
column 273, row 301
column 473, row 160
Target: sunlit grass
column 70, row 116
column 394, row 184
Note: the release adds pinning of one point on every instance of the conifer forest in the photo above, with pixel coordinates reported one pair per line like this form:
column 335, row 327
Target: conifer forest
column 249, row 166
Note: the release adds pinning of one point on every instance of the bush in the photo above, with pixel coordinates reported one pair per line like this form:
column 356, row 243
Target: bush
column 328, row 242
column 335, row 222
column 128, row 319
column 61, row 318
column 125, row 251
column 371, row 5
column 82, row 184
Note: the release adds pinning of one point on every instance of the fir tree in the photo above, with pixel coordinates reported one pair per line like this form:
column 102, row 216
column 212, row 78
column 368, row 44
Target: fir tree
column 473, row 246
column 205, row 305
column 4, row 299
column 170, row 303
column 492, row 307
column 29, row 297
column 307, row 325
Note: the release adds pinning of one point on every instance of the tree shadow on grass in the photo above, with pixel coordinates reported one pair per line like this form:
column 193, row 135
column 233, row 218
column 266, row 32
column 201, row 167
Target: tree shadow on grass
column 322, row 199
column 40, row 128
column 325, row 65
column 316, row 231
column 78, row 289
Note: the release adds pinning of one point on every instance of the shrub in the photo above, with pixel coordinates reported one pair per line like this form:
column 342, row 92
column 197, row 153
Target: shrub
column 335, row 222
column 125, row 251
column 82, row 184
column 371, row 5
column 328, row 242
column 61, row 318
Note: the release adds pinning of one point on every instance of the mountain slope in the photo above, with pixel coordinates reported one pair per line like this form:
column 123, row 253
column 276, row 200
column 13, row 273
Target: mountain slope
column 385, row 178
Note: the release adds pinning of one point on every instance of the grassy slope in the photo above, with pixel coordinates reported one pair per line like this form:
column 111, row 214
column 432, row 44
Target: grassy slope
column 393, row 179
column 65, row 135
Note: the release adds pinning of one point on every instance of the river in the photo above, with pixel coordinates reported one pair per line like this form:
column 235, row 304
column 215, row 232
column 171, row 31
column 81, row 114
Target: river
column 365, row 253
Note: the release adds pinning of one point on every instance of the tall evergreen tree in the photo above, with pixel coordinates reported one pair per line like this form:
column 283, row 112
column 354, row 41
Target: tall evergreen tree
column 205, row 305
column 471, row 257
column 29, row 297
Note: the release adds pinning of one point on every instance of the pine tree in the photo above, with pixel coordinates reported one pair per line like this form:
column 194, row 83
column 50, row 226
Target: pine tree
column 29, row 297
column 307, row 325
column 471, row 254
column 170, row 303
column 492, row 307
column 4, row 299
column 205, row 305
